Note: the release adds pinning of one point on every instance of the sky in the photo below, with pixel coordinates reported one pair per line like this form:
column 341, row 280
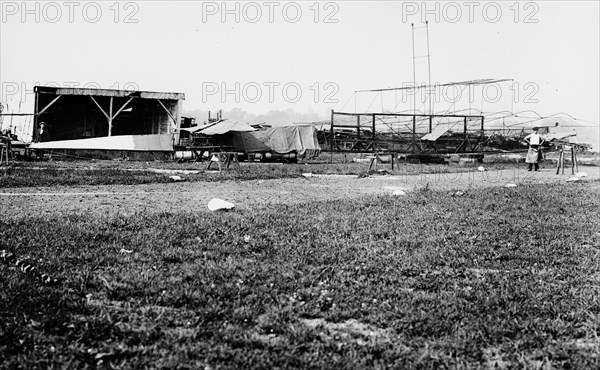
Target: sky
column 309, row 57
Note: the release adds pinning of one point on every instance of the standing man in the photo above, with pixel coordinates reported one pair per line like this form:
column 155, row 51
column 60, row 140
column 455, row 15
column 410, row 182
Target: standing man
column 535, row 141
column 42, row 136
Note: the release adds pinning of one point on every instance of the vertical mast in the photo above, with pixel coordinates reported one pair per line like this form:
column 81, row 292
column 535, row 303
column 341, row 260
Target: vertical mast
column 414, row 71
column 429, row 69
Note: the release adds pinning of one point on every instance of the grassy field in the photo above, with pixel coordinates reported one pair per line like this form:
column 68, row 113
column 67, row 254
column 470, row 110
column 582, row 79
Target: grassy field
column 500, row 277
column 120, row 172
column 74, row 173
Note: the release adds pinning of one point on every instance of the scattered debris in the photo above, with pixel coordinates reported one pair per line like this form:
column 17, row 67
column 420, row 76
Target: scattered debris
column 26, row 267
column 584, row 343
column 581, row 174
column 510, row 185
column 171, row 172
column 399, row 192
column 349, row 330
column 247, row 238
column 176, row 178
column 125, row 251
column 458, row 193
column 105, row 282
column 393, row 188
column 573, row 179
column 217, row 204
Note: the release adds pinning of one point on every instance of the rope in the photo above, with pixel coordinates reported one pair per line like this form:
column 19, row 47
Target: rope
column 372, row 101
column 346, row 103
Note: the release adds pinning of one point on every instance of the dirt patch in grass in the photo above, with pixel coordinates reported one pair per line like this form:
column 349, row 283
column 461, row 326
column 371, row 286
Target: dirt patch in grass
column 350, row 330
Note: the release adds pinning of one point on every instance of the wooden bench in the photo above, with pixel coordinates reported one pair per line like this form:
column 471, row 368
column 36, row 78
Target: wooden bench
column 224, row 159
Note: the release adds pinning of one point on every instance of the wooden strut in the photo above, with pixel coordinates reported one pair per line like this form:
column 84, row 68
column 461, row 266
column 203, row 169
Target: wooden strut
column 49, row 104
column 123, row 107
column 110, row 116
column 169, row 113
column 99, row 107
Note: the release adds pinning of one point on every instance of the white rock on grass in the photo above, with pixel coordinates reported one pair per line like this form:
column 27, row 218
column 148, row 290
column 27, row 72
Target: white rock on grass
column 481, row 169
column 510, row 185
column 581, row 174
column 398, row 193
column 307, row 174
column 573, row 179
column 217, row 204
column 176, row 178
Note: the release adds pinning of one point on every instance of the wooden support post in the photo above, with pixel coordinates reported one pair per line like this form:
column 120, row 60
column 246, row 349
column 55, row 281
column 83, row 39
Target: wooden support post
column 414, row 134
column 373, row 164
column 35, row 117
column 575, row 159
column 3, row 150
column 358, row 127
column 466, row 138
column 374, row 137
column 430, row 124
column 110, row 116
column 178, row 123
column 562, row 160
column 572, row 159
column 331, row 137
column 558, row 162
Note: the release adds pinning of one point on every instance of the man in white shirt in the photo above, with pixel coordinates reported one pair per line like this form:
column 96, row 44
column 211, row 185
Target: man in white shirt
column 534, row 140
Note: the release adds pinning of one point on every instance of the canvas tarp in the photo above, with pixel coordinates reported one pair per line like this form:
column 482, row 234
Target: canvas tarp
column 281, row 140
column 436, row 133
column 154, row 143
column 559, row 135
column 226, row 125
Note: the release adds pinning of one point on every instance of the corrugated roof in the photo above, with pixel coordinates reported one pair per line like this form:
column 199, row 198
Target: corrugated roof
column 108, row 92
